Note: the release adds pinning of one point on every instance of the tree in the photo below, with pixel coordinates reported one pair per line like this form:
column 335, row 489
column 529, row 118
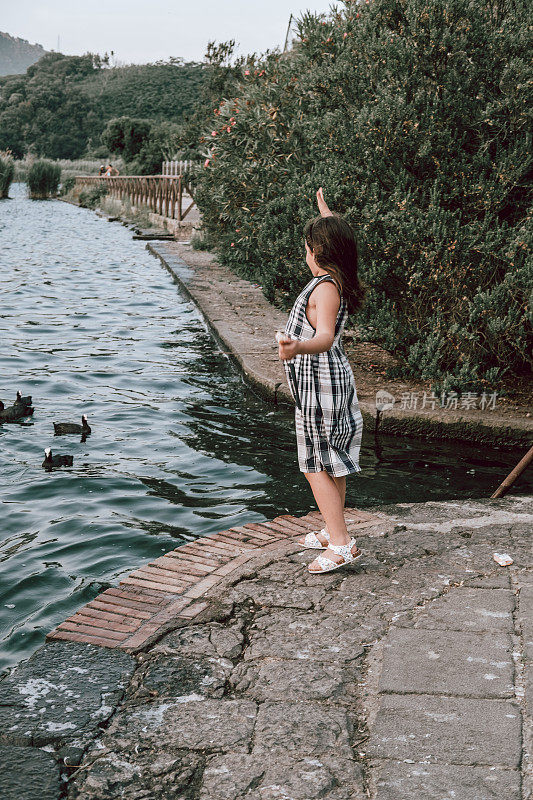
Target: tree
column 125, row 136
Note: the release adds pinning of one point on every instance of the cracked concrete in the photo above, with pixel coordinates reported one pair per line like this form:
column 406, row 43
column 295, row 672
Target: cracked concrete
column 406, row 675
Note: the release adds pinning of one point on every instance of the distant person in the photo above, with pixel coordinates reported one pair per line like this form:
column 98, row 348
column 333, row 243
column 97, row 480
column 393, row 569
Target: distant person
column 102, row 170
column 109, row 170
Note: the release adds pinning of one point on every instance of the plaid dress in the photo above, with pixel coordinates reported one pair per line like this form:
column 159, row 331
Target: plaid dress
column 329, row 426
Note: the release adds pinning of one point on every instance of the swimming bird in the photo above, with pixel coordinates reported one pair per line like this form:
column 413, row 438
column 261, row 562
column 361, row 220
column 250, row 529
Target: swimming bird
column 56, row 461
column 60, row 428
column 25, row 401
column 15, row 412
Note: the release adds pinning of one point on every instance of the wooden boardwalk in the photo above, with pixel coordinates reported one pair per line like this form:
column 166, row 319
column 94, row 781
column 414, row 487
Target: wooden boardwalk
column 170, row 588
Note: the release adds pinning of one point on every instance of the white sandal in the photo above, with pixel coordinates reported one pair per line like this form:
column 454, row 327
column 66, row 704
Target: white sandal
column 312, row 541
column 344, row 550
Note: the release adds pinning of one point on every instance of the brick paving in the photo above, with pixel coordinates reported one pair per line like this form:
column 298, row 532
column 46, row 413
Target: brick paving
column 168, row 589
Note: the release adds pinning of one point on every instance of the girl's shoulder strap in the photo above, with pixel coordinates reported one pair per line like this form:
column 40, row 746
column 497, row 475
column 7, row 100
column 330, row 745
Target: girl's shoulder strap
column 320, row 278
column 313, row 283
column 327, row 277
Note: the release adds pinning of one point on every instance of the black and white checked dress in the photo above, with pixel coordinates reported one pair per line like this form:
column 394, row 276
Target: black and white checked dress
column 330, row 425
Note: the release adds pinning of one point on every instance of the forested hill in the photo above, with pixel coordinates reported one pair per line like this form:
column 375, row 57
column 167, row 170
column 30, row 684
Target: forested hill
column 16, row 55
column 62, row 103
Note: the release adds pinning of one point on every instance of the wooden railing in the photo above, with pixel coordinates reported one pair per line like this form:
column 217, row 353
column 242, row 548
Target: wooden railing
column 176, row 167
column 162, row 194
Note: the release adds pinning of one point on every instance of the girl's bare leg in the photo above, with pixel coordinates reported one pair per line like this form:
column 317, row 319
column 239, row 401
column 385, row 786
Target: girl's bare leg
column 329, row 499
column 340, row 484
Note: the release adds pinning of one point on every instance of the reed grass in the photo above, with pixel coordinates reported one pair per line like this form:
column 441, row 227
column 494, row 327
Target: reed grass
column 7, row 170
column 43, row 179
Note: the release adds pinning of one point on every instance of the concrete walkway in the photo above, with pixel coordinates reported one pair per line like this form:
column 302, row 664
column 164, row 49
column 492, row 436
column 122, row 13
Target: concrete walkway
column 406, row 675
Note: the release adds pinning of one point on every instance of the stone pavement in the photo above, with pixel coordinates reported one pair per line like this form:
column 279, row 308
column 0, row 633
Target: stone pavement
column 405, row 676
column 169, row 590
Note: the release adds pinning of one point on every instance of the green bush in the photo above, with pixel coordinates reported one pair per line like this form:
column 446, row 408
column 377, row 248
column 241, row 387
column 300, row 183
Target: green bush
column 67, row 185
column 43, row 179
column 415, row 117
column 7, row 171
column 91, row 198
column 200, row 241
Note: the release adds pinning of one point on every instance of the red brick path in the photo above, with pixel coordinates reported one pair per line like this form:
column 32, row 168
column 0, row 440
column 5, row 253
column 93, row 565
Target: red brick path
column 170, row 587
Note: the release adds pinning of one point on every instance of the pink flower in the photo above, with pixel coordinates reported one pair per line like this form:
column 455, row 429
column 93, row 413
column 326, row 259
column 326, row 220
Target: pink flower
column 345, row 35
column 228, row 129
column 246, row 71
column 206, row 162
column 213, row 133
column 233, row 244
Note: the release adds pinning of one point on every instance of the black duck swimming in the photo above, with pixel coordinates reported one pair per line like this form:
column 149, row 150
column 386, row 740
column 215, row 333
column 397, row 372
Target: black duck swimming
column 56, row 461
column 25, row 401
column 61, row 428
column 14, row 413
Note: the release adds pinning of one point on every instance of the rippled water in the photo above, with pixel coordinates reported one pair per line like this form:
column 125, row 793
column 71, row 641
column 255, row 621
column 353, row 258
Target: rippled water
column 91, row 323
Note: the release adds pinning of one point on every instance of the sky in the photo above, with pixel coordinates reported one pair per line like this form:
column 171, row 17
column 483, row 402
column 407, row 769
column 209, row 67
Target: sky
column 141, row 31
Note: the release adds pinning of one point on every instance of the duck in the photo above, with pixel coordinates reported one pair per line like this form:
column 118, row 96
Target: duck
column 56, row 461
column 60, row 428
column 25, row 401
column 14, row 413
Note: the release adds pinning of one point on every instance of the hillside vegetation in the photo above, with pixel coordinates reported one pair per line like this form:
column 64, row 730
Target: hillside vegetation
column 415, row 117
column 16, row 54
column 60, row 107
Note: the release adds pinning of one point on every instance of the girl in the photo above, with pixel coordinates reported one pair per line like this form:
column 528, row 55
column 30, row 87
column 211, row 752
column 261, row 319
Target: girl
column 328, row 420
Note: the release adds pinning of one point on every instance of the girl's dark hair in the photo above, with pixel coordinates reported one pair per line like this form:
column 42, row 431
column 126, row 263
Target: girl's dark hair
column 334, row 247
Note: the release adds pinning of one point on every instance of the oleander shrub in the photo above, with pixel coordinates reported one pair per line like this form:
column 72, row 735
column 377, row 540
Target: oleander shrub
column 7, row 171
column 415, row 117
column 43, row 179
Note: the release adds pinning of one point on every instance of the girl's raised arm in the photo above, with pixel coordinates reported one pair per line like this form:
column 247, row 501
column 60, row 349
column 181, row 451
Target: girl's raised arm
column 322, row 205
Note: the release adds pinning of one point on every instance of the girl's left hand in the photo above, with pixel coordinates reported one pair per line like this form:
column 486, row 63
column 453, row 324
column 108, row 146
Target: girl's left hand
column 288, row 349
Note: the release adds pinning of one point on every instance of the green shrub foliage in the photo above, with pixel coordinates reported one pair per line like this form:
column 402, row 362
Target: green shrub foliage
column 91, row 198
column 43, row 179
column 414, row 115
column 67, row 185
column 7, row 171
